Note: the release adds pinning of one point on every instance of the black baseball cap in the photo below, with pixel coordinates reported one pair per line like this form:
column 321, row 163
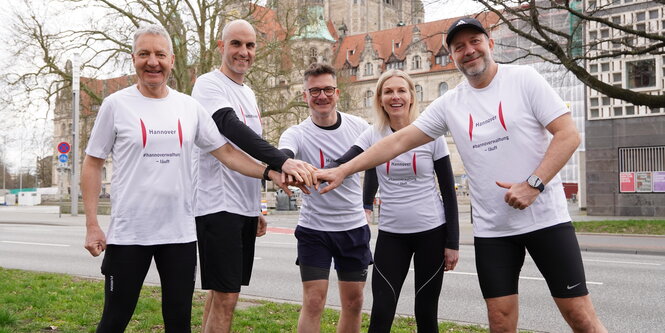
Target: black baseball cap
column 463, row 23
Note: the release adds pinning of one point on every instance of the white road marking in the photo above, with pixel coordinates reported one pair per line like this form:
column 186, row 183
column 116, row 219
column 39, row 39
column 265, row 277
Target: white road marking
column 40, row 244
column 521, row 277
column 275, row 243
column 625, row 262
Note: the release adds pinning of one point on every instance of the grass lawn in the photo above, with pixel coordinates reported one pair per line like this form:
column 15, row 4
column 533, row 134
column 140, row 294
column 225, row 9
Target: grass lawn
column 47, row 302
column 643, row 227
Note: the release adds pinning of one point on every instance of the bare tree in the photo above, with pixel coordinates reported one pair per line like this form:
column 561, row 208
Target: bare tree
column 567, row 45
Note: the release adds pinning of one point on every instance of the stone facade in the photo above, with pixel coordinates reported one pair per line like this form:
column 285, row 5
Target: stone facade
column 613, row 125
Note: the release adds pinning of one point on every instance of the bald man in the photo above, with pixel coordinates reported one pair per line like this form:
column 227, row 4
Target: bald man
column 227, row 204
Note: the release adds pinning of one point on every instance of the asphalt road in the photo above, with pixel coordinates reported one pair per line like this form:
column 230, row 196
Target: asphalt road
column 628, row 290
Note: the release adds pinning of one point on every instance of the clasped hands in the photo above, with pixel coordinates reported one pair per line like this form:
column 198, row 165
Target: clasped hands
column 305, row 176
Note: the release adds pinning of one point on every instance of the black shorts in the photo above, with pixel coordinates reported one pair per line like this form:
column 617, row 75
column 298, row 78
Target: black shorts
column 349, row 248
column 226, row 249
column 554, row 250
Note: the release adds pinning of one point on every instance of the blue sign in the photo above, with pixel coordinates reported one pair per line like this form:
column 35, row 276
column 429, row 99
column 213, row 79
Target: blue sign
column 63, row 158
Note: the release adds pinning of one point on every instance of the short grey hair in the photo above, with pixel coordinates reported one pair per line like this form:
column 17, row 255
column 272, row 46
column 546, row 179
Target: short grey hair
column 227, row 26
column 152, row 29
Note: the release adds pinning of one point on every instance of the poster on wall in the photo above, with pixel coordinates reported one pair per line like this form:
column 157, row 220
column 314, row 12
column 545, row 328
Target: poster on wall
column 627, row 182
column 659, row 181
column 643, row 182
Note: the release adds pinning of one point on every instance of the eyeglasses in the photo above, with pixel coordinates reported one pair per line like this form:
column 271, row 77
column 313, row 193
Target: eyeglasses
column 315, row 92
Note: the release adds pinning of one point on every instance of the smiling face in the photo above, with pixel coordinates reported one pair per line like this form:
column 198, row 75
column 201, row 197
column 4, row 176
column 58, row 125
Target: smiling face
column 321, row 106
column 396, row 97
column 471, row 51
column 238, row 49
column 153, row 62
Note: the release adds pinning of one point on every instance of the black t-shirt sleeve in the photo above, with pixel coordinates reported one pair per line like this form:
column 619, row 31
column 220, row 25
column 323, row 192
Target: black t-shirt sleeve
column 370, row 186
column 244, row 137
column 444, row 175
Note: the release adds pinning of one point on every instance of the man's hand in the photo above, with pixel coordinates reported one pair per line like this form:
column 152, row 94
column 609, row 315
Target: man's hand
column 278, row 179
column 519, row 195
column 302, row 172
column 262, row 227
column 334, row 177
column 368, row 216
column 95, row 240
column 450, row 258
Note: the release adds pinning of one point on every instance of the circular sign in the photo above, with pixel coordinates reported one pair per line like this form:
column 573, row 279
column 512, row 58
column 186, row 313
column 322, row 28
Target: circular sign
column 63, row 158
column 63, row 147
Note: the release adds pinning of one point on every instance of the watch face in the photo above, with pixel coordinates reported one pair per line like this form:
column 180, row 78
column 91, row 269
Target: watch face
column 534, row 181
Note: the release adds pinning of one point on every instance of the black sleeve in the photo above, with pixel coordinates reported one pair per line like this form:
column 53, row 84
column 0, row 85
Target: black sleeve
column 371, row 183
column 444, row 174
column 288, row 153
column 370, row 186
column 350, row 154
column 244, row 137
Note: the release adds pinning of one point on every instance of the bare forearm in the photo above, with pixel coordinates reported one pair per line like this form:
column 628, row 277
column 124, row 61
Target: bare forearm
column 238, row 161
column 91, row 185
column 564, row 142
column 386, row 149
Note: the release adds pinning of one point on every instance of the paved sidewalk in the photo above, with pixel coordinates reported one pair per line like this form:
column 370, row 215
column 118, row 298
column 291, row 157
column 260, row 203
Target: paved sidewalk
column 285, row 222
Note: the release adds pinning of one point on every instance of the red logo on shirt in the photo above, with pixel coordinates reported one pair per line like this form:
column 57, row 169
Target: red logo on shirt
column 503, row 123
column 323, row 161
column 180, row 133
column 470, row 127
column 145, row 135
column 415, row 170
column 487, row 121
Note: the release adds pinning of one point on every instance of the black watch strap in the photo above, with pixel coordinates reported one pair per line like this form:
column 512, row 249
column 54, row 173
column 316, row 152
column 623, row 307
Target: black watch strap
column 265, row 173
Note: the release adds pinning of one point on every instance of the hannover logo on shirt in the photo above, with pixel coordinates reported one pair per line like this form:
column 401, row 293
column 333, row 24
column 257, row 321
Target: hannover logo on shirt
column 489, row 145
column 147, row 132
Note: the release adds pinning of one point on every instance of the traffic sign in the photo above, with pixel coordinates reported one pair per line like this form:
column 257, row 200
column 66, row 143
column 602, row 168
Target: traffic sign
column 63, row 147
column 63, row 158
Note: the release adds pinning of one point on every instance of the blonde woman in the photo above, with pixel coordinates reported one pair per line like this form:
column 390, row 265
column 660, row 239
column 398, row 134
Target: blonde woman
column 415, row 222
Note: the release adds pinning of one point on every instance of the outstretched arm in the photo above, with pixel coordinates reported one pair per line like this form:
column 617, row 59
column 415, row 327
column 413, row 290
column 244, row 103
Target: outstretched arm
column 382, row 151
column 91, row 185
column 565, row 140
column 246, row 139
column 238, row 161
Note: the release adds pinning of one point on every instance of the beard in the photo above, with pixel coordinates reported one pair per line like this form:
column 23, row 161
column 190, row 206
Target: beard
column 475, row 70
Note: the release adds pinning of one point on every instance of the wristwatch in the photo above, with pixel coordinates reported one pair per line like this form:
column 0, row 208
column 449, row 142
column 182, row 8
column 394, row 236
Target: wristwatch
column 265, row 173
column 535, row 182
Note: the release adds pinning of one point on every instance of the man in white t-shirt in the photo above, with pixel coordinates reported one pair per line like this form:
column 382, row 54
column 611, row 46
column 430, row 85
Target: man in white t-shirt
column 227, row 204
column 334, row 226
column 152, row 131
column 500, row 118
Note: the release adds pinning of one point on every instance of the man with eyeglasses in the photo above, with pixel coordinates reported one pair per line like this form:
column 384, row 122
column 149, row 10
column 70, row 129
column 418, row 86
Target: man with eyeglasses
column 334, row 226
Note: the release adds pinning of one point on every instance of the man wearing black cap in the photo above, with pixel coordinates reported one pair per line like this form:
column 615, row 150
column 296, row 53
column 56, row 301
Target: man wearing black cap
column 500, row 118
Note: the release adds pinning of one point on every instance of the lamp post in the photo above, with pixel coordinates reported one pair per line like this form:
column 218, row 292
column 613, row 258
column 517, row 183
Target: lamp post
column 76, row 72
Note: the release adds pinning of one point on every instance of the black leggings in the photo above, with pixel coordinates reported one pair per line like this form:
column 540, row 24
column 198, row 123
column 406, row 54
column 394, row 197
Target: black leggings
column 392, row 258
column 125, row 268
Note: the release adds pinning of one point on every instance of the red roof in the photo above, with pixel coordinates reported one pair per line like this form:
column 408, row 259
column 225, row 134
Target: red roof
column 432, row 33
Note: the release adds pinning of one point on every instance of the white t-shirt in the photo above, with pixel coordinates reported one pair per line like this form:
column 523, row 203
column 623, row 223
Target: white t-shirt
column 342, row 208
column 409, row 200
column 219, row 188
column 500, row 133
column 152, row 141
